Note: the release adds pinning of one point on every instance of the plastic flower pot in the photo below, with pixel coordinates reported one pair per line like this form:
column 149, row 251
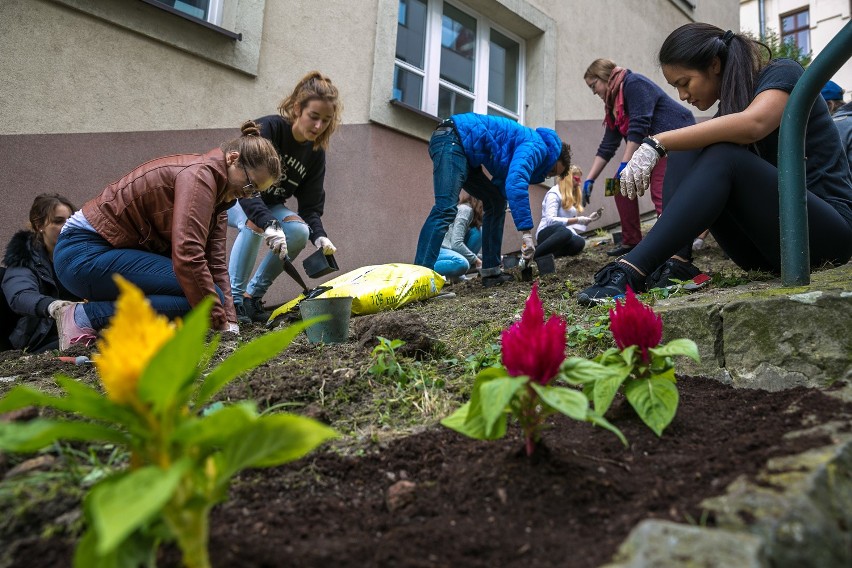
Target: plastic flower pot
column 616, row 238
column 319, row 264
column 510, row 261
column 546, row 264
column 333, row 330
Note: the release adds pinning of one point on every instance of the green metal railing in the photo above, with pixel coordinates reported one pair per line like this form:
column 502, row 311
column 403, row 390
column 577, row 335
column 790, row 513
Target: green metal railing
column 795, row 255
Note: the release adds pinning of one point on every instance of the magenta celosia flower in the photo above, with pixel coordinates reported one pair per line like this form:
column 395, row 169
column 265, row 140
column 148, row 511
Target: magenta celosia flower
column 634, row 323
column 532, row 346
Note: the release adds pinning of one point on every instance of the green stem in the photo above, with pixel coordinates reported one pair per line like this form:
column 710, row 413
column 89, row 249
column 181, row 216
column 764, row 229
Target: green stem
column 191, row 527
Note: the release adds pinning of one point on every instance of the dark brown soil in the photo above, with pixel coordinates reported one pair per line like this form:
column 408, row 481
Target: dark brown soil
column 398, row 490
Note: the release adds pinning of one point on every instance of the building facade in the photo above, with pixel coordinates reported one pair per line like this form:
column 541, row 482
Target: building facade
column 808, row 24
column 91, row 89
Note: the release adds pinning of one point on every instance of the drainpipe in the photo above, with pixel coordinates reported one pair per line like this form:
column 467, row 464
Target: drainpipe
column 761, row 18
column 795, row 254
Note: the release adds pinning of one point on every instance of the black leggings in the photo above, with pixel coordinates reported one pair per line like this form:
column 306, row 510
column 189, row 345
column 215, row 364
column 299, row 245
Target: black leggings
column 734, row 193
column 559, row 240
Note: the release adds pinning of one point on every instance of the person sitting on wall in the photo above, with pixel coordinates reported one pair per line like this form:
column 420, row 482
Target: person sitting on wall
column 163, row 227
column 515, row 156
column 723, row 172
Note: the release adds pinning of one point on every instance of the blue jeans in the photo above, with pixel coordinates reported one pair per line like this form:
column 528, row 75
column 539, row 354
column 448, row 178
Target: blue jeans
column 246, row 246
column 451, row 172
column 85, row 263
column 452, row 264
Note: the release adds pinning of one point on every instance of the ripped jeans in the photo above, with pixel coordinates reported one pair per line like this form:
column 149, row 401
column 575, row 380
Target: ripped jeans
column 247, row 245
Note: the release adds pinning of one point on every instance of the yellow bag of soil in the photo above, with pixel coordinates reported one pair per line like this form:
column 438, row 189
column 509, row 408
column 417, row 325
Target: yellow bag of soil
column 377, row 288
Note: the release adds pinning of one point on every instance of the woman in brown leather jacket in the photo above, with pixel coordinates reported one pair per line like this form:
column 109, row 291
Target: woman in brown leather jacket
column 163, row 227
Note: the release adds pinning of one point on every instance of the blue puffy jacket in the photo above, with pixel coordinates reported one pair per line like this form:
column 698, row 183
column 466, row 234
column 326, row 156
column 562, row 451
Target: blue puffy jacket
column 516, row 156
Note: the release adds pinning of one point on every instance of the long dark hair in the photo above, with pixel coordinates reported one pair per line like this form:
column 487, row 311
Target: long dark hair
column 475, row 204
column 43, row 209
column 695, row 45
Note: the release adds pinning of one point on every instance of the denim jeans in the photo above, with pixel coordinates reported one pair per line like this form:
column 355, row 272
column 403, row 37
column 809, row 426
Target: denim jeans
column 451, row 172
column 452, row 264
column 85, row 263
column 246, row 247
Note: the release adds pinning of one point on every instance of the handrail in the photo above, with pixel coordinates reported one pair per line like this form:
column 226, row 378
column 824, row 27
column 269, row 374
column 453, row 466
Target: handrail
column 792, row 191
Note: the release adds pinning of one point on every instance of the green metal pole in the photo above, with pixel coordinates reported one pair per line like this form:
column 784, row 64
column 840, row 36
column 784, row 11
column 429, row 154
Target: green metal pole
column 795, row 255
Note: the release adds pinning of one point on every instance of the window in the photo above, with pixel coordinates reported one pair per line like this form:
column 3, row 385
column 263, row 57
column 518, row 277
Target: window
column 207, row 10
column 795, row 29
column 449, row 60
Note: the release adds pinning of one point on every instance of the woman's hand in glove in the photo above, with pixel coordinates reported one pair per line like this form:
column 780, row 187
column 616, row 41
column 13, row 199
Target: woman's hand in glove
column 326, row 245
column 636, row 177
column 275, row 239
column 527, row 245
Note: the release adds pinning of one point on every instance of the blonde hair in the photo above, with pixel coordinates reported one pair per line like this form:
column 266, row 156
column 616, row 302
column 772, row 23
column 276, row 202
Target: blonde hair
column 255, row 150
column 600, row 69
column 313, row 87
column 571, row 191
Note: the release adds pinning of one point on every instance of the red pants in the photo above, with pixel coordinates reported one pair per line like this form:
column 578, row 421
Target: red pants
column 628, row 209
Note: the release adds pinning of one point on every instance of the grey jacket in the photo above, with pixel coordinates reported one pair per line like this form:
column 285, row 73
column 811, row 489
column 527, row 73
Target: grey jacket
column 843, row 120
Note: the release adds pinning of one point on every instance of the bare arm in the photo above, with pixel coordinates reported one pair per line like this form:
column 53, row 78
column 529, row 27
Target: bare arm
column 754, row 123
column 629, row 149
column 596, row 168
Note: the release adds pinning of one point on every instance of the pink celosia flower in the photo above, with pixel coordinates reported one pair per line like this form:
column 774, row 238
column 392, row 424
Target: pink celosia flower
column 532, row 346
column 634, row 323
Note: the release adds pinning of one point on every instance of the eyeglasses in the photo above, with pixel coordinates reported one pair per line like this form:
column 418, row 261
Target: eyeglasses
column 592, row 84
column 250, row 185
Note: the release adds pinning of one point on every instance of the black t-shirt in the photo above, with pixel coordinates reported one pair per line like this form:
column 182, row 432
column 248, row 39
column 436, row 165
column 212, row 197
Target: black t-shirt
column 303, row 173
column 826, row 166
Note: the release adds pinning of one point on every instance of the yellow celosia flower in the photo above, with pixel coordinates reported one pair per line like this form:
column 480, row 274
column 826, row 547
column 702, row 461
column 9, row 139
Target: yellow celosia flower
column 135, row 334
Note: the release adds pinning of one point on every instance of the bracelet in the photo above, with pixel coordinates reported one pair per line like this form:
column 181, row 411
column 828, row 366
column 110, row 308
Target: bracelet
column 656, row 145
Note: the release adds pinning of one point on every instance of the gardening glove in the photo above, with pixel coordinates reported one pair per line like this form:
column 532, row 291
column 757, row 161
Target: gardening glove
column 595, row 215
column 275, row 239
column 326, row 245
column 581, row 220
column 527, row 246
column 587, row 191
column 636, row 177
column 620, row 169
column 233, row 328
column 55, row 306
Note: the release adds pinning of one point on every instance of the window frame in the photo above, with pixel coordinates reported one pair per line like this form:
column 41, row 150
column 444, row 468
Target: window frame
column 794, row 33
column 431, row 72
column 521, row 19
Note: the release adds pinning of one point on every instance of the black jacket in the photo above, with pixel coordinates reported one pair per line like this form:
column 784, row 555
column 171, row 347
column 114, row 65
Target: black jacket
column 29, row 286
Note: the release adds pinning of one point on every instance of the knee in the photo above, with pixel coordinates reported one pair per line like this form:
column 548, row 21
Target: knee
column 297, row 233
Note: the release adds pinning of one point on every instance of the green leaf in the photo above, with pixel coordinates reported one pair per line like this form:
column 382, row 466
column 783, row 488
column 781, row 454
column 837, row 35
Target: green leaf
column 569, row 402
column 36, row 434
column 474, row 427
column 495, row 396
column 655, row 401
column 607, row 386
column 628, row 354
column 272, row 440
column 122, row 504
column 482, row 377
column 682, row 346
column 599, row 420
column 88, row 402
column 176, row 364
column 579, row 371
column 135, row 551
column 248, row 357
column 216, row 428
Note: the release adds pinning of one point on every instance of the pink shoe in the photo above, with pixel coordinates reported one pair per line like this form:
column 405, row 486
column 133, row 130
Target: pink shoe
column 69, row 332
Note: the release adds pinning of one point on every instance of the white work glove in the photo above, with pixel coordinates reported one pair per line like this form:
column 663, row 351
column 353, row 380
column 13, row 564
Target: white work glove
column 584, row 220
column 55, row 306
column 233, row 328
column 326, row 245
column 636, row 176
column 276, row 240
column 527, row 246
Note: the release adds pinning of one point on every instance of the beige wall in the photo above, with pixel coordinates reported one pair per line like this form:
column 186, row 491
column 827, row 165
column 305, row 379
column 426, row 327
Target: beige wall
column 85, row 99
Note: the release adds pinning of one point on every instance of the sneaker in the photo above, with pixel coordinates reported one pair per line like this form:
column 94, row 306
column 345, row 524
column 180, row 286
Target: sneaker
column 672, row 269
column 242, row 316
column 69, row 332
column 620, row 250
column 611, row 281
column 254, row 310
column 496, row 280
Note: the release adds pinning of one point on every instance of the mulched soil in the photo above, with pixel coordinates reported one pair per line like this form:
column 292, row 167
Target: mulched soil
column 437, row 499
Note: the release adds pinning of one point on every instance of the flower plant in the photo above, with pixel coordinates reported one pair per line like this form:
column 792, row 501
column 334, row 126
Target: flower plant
column 533, row 351
column 640, row 365
column 183, row 451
